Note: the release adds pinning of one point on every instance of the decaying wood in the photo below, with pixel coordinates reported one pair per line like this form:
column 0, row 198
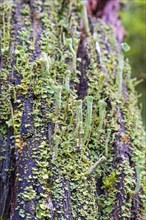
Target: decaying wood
column 53, row 59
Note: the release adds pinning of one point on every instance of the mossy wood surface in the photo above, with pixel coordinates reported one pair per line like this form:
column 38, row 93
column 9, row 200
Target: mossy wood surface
column 66, row 102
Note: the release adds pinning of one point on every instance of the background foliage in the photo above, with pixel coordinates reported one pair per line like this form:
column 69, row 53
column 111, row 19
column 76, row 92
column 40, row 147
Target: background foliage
column 134, row 21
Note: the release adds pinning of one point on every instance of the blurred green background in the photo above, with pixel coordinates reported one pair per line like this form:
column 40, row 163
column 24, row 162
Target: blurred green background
column 134, row 20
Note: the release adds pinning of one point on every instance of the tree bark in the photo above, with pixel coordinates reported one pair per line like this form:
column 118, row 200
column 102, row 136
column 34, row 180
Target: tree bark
column 71, row 136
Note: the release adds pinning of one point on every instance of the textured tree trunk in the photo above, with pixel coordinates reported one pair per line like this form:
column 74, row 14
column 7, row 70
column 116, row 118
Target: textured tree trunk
column 71, row 136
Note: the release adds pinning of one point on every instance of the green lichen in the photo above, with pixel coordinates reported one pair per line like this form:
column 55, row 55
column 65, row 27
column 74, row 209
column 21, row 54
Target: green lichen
column 85, row 18
column 88, row 120
column 102, row 104
column 119, row 78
